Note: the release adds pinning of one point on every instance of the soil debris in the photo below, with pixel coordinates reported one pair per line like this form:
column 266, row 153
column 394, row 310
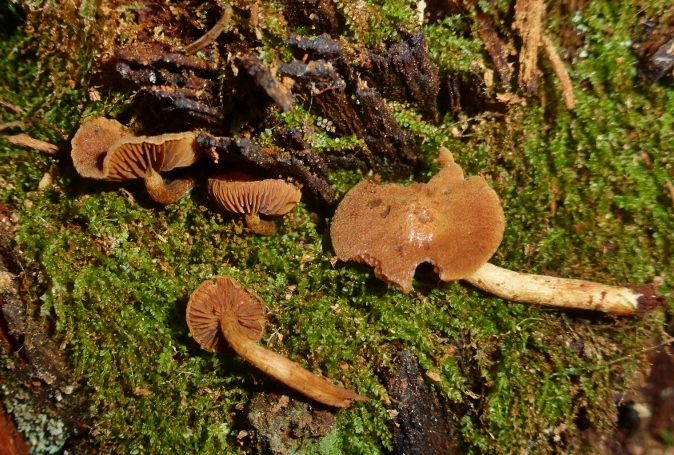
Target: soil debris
column 281, row 423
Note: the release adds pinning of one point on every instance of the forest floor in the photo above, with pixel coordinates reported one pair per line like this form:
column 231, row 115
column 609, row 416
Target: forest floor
column 567, row 112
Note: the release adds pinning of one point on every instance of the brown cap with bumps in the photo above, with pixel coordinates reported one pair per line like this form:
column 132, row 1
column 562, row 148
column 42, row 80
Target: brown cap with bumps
column 92, row 142
column 455, row 224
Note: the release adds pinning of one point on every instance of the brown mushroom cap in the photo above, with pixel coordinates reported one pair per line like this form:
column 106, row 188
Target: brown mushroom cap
column 237, row 193
column 456, row 224
column 214, row 297
column 91, row 143
column 129, row 158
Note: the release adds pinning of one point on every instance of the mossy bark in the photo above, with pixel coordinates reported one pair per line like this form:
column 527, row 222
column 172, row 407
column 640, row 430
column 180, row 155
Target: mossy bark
column 104, row 273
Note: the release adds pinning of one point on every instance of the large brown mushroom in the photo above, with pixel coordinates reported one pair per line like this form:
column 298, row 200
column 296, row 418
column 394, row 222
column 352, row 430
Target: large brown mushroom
column 221, row 311
column 104, row 149
column 239, row 193
column 457, row 225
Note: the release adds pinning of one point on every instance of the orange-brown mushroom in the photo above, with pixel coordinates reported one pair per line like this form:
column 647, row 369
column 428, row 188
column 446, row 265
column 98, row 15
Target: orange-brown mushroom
column 239, row 193
column 213, row 298
column 220, row 311
column 456, row 224
column 104, row 149
column 92, row 142
column 146, row 156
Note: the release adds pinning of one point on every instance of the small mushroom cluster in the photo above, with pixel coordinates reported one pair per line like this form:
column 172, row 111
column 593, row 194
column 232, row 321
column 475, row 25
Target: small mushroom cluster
column 221, row 312
column 457, row 224
column 104, row 149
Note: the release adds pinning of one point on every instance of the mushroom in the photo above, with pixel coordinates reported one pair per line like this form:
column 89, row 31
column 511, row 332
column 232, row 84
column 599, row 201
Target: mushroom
column 221, row 311
column 146, row 156
column 239, row 193
column 91, row 143
column 104, row 149
column 457, row 225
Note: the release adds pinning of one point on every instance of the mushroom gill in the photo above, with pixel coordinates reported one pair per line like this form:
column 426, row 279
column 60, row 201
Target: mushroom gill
column 239, row 193
column 147, row 156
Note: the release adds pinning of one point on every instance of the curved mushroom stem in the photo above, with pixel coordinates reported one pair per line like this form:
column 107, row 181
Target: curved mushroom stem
column 212, row 34
column 285, row 370
column 166, row 194
column 563, row 292
column 259, row 226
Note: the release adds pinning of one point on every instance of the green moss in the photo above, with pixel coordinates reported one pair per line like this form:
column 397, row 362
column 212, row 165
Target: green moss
column 449, row 47
column 585, row 195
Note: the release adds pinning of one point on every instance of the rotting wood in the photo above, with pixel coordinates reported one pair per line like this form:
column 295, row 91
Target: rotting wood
column 495, row 48
column 265, row 80
column 307, row 169
column 406, row 73
column 14, row 124
column 529, row 25
column 422, row 426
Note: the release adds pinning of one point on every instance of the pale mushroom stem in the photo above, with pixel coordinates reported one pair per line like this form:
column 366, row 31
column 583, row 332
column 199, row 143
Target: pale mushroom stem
column 259, row 226
column 166, row 193
column 285, row 370
column 563, row 292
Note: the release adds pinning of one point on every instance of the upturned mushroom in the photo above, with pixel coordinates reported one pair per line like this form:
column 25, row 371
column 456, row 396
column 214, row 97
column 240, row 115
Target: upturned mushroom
column 220, row 312
column 456, row 224
column 240, row 193
column 104, row 149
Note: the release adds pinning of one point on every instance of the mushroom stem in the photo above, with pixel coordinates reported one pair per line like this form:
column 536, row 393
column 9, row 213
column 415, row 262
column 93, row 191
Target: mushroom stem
column 563, row 292
column 259, row 226
column 285, row 370
column 166, row 193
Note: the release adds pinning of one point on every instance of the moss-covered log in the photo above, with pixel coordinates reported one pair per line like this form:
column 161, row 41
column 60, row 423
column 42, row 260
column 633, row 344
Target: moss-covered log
column 97, row 355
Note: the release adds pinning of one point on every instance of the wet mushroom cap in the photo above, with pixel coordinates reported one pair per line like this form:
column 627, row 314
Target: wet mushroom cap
column 237, row 193
column 130, row 158
column 91, row 143
column 214, row 297
column 455, row 224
